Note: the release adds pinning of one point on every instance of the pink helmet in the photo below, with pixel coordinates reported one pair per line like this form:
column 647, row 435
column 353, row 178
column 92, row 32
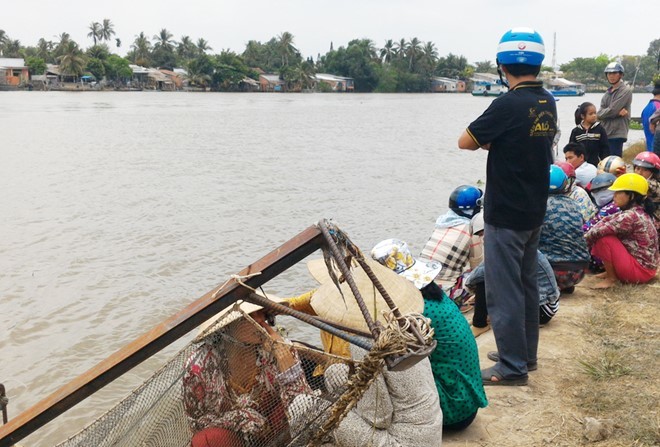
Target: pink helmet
column 568, row 168
column 648, row 160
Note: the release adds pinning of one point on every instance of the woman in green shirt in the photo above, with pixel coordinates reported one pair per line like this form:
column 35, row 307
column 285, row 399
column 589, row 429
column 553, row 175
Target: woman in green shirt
column 455, row 360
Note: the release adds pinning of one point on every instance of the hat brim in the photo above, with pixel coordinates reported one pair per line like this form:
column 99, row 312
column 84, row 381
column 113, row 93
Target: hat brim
column 329, row 304
column 422, row 272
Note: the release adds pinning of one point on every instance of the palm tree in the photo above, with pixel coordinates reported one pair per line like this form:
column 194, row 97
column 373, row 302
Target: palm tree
column 203, row 46
column 185, row 49
column 12, row 48
column 164, row 40
column 72, row 61
column 107, row 30
column 285, row 47
column 62, row 41
column 414, row 49
column 95, row 31
column 44, row 48
column 400, row 49
column 141, row 49
column 387, row 52
column 3, row 40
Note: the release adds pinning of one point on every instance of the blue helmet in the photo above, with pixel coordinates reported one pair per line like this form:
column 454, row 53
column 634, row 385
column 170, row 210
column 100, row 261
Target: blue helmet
column 558, row 179
column 466, row 200
column 521, row 46
column 602, row 181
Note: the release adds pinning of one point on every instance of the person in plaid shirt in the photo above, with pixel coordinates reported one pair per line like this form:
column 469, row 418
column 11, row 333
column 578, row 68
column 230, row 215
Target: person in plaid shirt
column 453, row 242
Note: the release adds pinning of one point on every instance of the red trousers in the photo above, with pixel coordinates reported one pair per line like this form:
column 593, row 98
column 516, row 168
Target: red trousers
column 627, row 269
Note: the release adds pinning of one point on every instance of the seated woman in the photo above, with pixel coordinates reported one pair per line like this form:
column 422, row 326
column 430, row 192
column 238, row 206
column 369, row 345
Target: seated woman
column 548, row 295
column 562, row 240
column 401, row 408
column 627, row 241
column 647, row 164
column 453, row 243
column 455, row 360
column 238, row 384
column 578, row 193
column 603, row 198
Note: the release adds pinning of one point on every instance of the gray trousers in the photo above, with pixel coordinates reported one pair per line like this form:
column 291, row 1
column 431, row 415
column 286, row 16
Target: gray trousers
column 512, row 296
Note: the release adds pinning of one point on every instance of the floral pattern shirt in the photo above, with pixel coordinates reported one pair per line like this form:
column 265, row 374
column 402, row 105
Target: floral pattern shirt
column 211, row 401
column 606, row 210
column 586, row 207
column 636, row 231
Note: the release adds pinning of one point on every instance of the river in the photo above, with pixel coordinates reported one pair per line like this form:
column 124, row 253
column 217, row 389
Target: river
column 119, row 209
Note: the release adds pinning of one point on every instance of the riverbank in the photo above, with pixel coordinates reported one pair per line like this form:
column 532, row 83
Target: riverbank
column 597, row 380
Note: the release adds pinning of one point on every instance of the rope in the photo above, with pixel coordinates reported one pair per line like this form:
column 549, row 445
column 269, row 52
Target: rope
column 239, row 279
column 392, row 341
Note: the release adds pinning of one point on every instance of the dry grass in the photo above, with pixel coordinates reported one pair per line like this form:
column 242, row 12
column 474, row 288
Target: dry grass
column 618, row 367
column 631, row 151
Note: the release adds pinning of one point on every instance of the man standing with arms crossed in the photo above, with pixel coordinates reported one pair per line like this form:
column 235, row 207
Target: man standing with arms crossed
column 614, row 113
column 518, row 130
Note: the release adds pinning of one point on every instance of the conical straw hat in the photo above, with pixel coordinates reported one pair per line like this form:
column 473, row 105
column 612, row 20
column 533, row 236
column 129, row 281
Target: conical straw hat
column 328, row 303
column 319, row 270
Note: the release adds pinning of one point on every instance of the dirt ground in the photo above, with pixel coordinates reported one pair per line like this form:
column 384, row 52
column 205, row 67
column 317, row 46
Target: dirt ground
column 598, row 358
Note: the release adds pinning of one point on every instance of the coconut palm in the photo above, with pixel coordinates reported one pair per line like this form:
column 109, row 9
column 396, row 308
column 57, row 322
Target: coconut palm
column 164, row 40
column 413, row 51
column 3, row 39
column 400, row 48
column 387, row 52
column 141, row 49
column 107, row 30
column 203, row 46
column 72, row 61
column 12, row 48
column 186, row 49
column 44, row 49
column 285, row 47
column 95, row 31
column 62, row 41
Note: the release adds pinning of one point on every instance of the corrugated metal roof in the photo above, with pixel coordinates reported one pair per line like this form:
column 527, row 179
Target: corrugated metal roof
column 12, row 62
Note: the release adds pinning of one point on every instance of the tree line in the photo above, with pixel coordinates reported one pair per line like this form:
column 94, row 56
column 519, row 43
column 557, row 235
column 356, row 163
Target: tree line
column 398, row 66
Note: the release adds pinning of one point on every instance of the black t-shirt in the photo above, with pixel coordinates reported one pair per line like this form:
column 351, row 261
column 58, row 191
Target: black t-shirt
column 520, row 127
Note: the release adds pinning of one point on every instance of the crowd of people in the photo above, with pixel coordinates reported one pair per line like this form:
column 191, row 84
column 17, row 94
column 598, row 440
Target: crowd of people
column 508, row 254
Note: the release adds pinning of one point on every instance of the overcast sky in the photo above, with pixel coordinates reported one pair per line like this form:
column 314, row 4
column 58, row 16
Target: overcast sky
column 584, row 28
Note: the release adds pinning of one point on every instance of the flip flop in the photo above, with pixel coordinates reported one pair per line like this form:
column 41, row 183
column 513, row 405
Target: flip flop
column 488, row 374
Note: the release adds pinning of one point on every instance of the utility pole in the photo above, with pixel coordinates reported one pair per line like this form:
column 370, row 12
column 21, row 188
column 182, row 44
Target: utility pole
column 554, row 51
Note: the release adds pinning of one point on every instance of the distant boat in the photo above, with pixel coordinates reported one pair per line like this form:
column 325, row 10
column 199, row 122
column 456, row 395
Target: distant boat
column 488, row 88
column 563, row 87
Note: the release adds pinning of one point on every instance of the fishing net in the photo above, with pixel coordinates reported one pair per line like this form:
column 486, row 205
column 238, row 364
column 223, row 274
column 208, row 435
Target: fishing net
column 233, row 386
column 240, row 384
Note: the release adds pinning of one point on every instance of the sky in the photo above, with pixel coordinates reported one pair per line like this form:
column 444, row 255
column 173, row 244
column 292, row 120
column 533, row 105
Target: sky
column 472, row 29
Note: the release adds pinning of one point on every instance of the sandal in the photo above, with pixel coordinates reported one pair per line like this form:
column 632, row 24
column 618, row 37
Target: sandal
column 477, row 331
column 488, row 374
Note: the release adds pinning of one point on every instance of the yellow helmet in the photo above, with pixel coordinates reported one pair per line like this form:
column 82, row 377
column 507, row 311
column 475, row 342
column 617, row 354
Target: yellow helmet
column 631, row 182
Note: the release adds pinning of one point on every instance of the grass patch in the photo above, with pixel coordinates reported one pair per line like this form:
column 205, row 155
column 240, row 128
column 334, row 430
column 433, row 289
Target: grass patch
column 617, row 373
column 631, row 151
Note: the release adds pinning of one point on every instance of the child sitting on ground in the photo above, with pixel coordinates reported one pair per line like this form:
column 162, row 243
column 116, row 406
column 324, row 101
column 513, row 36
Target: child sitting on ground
column 562, row 240
column 627, row 241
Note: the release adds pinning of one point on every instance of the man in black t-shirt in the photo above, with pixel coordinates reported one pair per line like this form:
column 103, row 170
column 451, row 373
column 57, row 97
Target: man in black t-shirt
column 518, row 130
